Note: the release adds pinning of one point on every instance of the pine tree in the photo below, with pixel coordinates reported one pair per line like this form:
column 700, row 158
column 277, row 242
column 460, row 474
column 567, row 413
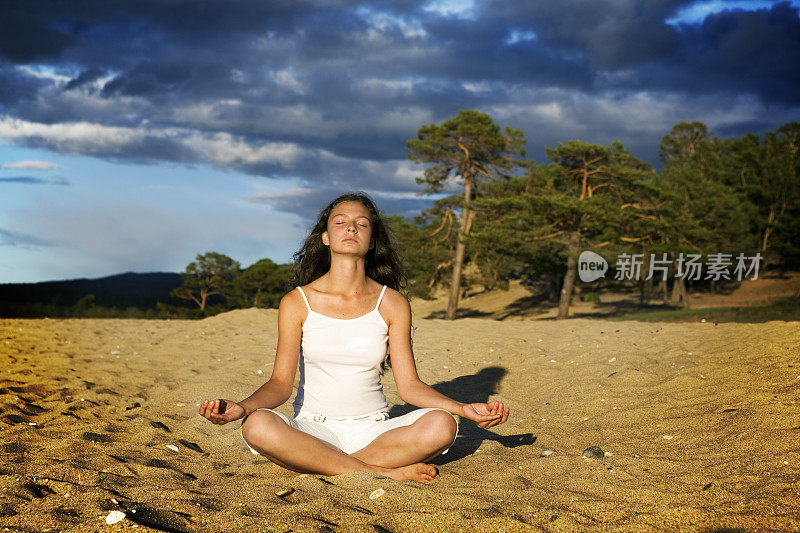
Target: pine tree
column 208, row 275
column 600, row 197
column 472, row 149
column 262, row 284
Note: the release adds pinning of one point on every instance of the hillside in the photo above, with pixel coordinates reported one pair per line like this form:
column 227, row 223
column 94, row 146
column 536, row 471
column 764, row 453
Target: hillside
column 121, row 290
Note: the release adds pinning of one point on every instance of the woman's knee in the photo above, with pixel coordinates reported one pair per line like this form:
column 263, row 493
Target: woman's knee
column 261, row 427
column 439, row 428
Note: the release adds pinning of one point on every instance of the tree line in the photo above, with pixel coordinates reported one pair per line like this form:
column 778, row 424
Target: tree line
column 515, row 219
column 214, row 278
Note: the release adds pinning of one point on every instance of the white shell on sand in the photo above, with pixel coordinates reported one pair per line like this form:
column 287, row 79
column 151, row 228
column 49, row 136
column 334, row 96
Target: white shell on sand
column 377, row 493
column 172, row 447
column 114, row 517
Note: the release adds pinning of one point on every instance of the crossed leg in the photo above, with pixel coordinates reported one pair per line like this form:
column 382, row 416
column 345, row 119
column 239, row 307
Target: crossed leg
column 387, row 455
column 426, row 438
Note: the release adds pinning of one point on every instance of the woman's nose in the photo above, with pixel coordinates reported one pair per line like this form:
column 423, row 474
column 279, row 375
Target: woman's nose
column 352, row 227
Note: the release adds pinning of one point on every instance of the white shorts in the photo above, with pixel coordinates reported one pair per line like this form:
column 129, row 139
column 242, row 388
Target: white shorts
column 350, row 434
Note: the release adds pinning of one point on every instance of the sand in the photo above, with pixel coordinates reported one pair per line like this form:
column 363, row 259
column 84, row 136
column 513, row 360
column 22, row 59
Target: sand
column 699, row 423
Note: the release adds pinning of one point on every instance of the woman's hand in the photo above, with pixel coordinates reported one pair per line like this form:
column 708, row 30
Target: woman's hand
column 486, row 415
column 221, row 411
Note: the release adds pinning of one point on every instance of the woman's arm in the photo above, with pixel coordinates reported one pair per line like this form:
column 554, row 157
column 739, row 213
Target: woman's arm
column 412, row 389
column 278, row 389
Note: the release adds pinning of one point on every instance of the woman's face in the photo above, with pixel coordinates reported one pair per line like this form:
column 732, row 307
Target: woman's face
column 349, row 229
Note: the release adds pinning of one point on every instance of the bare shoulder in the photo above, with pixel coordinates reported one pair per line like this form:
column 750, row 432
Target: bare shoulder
column 292, row 306
column 394, row 298
column 395, row 306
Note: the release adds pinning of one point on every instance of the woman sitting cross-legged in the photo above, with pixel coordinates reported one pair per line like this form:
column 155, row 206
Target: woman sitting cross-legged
column 336, row 326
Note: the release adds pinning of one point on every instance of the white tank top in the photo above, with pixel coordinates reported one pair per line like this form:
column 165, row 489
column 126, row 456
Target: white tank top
column 340, row 364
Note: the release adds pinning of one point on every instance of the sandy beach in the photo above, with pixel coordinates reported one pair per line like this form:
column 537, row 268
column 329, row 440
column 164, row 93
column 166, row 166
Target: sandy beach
column 699, row 427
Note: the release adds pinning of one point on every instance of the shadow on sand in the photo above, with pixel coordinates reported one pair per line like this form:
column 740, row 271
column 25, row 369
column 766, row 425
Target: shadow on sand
column 471, row 388
column 461, row 313
column 616, row 310
column 616, row 300
column 533, row 307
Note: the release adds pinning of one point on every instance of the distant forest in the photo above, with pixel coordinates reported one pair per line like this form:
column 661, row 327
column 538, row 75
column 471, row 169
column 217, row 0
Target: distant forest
column 126, row 295
column 713, row 201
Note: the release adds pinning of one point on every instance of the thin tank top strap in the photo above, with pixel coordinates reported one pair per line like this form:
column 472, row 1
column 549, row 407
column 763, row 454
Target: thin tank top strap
column 380, row 297
column 304, row 297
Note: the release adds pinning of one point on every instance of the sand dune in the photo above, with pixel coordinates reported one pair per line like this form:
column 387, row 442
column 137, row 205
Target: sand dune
column 699, row 424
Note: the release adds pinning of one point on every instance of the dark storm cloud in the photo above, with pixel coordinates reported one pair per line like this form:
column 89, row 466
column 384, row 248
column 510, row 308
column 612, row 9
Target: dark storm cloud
column 733, row 51
column 17, row 89
column 328, row 92
column 754, row 52
column 610, row 34
column 27, row 37
column 84, row 77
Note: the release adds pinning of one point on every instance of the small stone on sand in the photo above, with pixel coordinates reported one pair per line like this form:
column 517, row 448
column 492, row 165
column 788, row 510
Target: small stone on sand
column 377, row 493
column 593, row 452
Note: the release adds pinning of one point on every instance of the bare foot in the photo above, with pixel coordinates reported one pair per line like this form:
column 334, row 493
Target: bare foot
column 416, row 472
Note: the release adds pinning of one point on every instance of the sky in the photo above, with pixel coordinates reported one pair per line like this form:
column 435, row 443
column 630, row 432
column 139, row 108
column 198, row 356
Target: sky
column 136, row 135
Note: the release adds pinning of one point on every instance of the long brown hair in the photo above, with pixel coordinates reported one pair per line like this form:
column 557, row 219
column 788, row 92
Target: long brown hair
column 382, row 262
